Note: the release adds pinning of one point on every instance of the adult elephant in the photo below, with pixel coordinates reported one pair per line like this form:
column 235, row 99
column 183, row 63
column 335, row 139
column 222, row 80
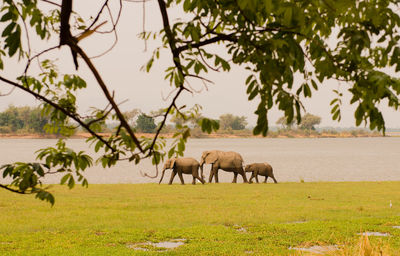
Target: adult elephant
column 227, row 161
column 185, row 165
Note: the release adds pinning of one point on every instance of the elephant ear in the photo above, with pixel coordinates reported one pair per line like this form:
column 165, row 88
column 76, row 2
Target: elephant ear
column 211, row 157
column 171, row 163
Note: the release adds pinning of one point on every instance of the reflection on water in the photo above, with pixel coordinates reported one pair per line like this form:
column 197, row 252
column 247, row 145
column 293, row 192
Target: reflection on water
column 317, row 159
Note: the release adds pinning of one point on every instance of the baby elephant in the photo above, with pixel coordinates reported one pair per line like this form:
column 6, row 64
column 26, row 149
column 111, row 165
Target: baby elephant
column 263, row 169
column 185, row 165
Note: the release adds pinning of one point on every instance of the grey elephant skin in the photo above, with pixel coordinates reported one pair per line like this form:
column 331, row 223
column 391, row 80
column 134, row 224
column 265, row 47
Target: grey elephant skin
column 263, row 169
column 228, row 161
column 185, row 165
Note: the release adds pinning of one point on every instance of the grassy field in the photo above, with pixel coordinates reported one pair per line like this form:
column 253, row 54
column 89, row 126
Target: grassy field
column 215, row 219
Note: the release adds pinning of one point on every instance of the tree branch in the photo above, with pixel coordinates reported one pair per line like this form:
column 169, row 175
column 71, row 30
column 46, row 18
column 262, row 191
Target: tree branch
column 56, row 106
column 12, row 190
column 219, row 37
column 67, row 39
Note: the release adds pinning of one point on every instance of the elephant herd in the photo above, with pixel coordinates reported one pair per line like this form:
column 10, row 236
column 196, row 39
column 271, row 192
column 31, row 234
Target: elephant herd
column 227, row 161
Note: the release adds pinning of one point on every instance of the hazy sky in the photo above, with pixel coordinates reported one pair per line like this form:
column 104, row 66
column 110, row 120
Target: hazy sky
column 147, row 91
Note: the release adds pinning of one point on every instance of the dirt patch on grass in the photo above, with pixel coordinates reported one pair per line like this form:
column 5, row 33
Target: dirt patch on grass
column 370, row 233
column 160, row 246
column 317, row 249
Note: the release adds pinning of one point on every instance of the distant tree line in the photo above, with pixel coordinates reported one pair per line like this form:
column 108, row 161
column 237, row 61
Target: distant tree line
column 308, row 122
column 147, row 123
column 22, row 119
column 31, row 120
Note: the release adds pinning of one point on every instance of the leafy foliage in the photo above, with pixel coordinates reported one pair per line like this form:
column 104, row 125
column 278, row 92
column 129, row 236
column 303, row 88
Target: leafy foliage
column 28, row 119
column 26, row 176
column 284, row 122
column 348, row 41
column 308, row 121
column 229, row 121
column 275, row 40
column 145, row 124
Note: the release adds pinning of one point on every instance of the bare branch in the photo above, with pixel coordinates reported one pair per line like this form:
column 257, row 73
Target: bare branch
column 110, row 99
column 67, row 39
column 50, row 2
column 8, row 93
column 37, row 56
column 97, row 16
column 115, row 34
column 205, row 62
column 146, row 175
column 202, row 78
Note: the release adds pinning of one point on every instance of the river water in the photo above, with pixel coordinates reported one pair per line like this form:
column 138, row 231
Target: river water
column 308, row 159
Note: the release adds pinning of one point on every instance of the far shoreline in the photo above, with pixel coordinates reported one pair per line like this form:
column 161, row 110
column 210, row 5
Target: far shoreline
column 85, row 135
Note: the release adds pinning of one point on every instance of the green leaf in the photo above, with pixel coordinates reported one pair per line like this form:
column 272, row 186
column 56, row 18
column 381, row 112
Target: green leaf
column 171, row 152
column 253, row 94
column 71, row 182
column 314, row 84
column 8, row 16
column 8, row 29
column 45, row 196
column 287, row 19
column 65, row 178
column 336, row 115
column 306, row 90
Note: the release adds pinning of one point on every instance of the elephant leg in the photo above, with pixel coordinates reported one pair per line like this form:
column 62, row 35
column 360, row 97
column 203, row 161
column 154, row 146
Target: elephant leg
column 257, row 178
column 274, row 179
column 172, row 177
column 241, row 172
column 181, row 177
column 235, row 174
column 266, row 178
column 201, row 180
column 251, row 178
column 194, row 180
column 211, row 174
column 214, row 172
column 196, row 176
column 216, row 176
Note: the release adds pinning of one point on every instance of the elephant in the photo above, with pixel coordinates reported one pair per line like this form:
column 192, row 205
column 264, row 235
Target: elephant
column 227, row 161
column 263, row 169
column 186, row 165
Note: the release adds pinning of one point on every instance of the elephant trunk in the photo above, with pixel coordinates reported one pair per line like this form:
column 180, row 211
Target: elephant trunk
column 201, row 171
column 162, row 175
column 201, row 167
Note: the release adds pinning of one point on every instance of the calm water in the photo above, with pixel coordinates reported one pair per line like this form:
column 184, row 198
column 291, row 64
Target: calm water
column 330, row 159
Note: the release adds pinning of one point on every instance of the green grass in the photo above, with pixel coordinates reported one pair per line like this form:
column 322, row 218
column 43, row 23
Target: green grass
column 106, row 219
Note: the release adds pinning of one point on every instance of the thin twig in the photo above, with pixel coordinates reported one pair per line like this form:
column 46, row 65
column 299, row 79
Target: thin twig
column 202, row 78
column 36, row 56
column 97, row 16
column 50, row 2
column 115, row 39
column 8, row 93
column 143, row 24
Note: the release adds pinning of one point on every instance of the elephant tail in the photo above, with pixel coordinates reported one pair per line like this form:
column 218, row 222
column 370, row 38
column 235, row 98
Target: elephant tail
column 147, row 175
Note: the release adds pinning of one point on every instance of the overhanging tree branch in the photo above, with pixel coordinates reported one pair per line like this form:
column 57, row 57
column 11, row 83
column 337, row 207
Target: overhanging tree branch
column 67, row 39
column 56, row 106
